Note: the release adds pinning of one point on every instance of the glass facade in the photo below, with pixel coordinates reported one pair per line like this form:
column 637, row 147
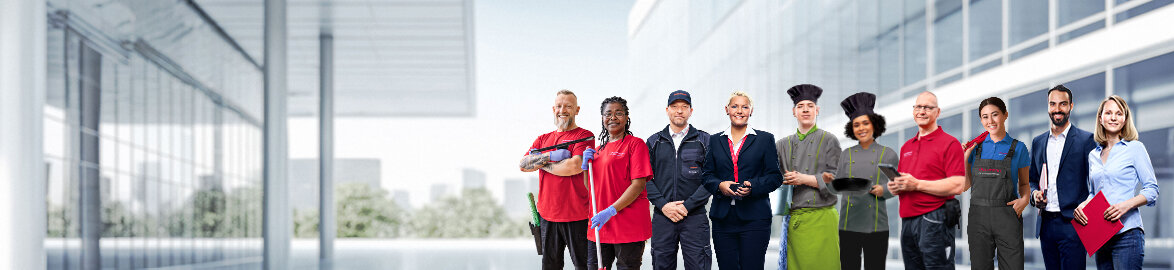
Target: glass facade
column 152, row 143
column 898, row 48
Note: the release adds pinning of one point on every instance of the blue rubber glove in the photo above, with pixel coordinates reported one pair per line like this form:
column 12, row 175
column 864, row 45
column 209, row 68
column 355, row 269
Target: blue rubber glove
column 560, row 154
column 602, row 217
column 588, row 155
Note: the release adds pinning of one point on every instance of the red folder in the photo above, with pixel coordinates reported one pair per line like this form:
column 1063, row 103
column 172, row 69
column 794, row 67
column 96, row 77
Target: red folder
column 1098, row 231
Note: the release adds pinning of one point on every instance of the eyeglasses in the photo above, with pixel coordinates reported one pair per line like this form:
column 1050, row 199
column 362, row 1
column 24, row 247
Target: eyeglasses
column 924, row 108
column 615, row 114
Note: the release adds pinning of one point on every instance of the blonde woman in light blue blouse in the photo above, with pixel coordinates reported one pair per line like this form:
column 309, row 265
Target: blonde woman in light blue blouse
column 1116, row 167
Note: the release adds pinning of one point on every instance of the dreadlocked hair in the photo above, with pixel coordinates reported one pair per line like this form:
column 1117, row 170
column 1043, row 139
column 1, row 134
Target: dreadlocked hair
column 605, row 136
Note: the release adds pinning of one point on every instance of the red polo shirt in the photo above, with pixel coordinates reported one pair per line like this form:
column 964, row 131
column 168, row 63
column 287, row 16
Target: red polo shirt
column 563, row 198
column 931, row 157
column 612, row 171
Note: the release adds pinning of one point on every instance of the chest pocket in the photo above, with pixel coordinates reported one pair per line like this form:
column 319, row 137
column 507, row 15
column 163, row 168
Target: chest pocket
column 691, row 156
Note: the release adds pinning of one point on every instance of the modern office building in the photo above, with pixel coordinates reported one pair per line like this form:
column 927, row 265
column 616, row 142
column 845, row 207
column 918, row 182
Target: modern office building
column 303, row 178
column 155, row 131
column 963, row 51
column 514, row 198
column 472, row 178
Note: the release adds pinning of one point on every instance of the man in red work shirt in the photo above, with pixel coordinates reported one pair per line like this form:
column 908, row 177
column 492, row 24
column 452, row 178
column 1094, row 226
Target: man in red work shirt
column 932, row 172
column 562, row 193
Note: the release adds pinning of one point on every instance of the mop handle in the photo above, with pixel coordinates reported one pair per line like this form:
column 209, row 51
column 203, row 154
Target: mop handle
column 598, row 247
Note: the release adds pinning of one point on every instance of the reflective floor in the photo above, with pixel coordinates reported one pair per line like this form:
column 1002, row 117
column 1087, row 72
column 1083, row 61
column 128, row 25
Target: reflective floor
column 512, row 254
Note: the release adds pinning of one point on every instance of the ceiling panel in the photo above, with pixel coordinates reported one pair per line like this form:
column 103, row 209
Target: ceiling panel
column 392, row 57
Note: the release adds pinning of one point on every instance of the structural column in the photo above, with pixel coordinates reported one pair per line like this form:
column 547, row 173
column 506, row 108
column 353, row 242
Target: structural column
column 326, row 221
column 22, row 162
column 276, row 225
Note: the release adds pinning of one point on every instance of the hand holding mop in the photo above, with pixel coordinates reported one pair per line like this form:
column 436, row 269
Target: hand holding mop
column 588, row 155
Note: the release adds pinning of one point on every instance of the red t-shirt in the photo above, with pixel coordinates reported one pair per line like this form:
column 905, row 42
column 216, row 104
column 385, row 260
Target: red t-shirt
column 932, row 157
column 612, row 171
column 563, row 198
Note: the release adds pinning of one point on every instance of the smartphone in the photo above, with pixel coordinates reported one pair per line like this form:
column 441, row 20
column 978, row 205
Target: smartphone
column 888, row 170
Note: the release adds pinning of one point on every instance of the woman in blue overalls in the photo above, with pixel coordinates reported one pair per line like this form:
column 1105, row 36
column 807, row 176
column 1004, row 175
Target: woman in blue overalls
column 997, row 174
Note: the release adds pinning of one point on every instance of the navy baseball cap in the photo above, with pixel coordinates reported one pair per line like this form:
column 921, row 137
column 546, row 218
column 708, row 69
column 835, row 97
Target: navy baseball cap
column 680, row 95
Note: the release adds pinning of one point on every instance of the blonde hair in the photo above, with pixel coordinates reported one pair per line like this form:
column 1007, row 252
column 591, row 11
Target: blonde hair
column 741, row 94
column 1128, row 132
column 566, row 92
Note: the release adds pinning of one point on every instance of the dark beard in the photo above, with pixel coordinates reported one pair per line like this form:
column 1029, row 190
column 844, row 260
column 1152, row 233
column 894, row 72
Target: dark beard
column 1062, row 121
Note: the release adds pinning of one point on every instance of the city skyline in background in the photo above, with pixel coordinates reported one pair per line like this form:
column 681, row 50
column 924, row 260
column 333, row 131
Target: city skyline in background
column 525, row 52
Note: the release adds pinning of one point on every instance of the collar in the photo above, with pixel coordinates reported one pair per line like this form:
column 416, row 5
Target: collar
column 932, row 135
column 684, row 131
column 667, row 132
column 802, row 135
column 749, row 131
column 1119, row 142
column 1006, row 139
column 1064, row 133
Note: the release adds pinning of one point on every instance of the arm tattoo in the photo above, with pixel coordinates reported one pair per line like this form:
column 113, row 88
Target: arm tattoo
column 536, row 161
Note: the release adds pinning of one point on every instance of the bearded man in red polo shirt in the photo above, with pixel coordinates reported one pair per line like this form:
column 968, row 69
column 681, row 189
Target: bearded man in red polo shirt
column 932, row 172
column 562, row 193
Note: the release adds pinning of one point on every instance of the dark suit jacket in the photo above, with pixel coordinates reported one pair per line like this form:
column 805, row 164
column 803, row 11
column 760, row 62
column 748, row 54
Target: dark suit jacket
column 758, row 162
column 1072, row 179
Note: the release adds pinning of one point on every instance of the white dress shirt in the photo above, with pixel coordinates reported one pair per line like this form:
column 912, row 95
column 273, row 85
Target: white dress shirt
column 678, row 137
column 1055, row 151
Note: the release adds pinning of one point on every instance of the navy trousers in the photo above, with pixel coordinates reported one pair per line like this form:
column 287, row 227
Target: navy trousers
column 1061, row 246
column 691, row 235
column 740, row 244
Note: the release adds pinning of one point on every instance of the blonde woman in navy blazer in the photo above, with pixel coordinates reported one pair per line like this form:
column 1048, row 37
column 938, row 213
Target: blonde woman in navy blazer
column 741, row 218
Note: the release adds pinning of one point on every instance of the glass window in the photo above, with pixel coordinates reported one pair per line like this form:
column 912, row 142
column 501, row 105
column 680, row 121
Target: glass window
column 953, row 125
column 1028, row 51
column 888, row 46
column 1087, row 94
column 1148, row 88
column 976, row 128
column 947, row 35
column 1078, row 32
column 1070, row 11
column 109, row 98
column 986, row 28
column 1030, row 115
column 994, row 63
column 1158, row 144
column 915, row 42
column 890, row 65
column 1027, row 19
column 1141, row 9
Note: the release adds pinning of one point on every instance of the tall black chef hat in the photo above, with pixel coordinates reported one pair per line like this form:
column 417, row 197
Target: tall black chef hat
column 858, row 104
column 804, row 92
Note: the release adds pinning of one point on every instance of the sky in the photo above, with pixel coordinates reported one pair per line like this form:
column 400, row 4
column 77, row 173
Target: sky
column 525, row 52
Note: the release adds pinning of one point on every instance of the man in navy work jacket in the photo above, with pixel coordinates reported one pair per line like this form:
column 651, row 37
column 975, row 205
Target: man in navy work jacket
column 1063, row 152
column 677, row 154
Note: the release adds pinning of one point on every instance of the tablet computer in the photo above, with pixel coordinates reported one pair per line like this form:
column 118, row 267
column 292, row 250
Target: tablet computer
column 888, row 170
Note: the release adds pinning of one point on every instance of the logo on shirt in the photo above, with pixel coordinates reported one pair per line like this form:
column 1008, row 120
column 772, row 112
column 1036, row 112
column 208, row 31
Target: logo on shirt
column 907, row 154
column 617, row 154
column 990, row 170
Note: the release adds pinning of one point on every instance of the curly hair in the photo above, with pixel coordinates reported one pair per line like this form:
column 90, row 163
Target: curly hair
column 604, row 136
column 878, row 126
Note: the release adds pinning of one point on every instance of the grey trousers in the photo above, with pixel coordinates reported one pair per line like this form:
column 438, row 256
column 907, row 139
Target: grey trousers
column 995, row 230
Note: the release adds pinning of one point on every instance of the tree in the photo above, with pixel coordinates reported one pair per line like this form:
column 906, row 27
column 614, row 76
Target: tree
column 361, row 211
column 474, row 214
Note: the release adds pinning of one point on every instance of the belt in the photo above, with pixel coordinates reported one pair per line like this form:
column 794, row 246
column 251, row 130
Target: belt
column 989, row 202
column 1050, row 214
